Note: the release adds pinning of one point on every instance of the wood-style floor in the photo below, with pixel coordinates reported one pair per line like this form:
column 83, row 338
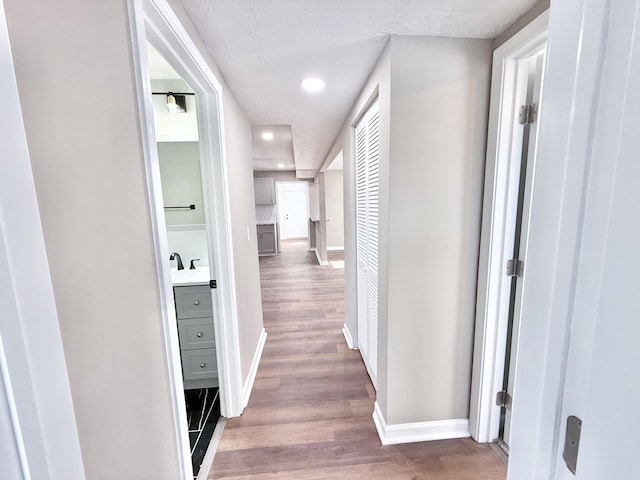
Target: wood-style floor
column 309, row 416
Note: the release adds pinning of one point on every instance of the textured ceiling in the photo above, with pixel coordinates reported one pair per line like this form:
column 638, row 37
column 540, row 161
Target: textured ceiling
column 265, row 47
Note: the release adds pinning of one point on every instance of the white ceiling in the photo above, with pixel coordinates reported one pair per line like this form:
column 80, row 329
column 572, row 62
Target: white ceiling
column 265, row 47
column 270, row 154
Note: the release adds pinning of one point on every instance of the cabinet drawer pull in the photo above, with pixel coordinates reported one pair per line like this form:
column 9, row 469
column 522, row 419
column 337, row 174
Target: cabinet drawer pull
column 199, row 334
column 202, row 365
column 196, row 302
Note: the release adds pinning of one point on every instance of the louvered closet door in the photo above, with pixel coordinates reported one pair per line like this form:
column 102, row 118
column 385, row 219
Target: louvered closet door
column 367, row 203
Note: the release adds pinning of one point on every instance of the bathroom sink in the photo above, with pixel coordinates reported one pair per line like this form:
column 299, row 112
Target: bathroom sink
column 199, row 276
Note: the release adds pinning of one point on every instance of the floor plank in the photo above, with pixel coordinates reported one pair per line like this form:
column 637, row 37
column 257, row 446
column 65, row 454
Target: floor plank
column 309, row 416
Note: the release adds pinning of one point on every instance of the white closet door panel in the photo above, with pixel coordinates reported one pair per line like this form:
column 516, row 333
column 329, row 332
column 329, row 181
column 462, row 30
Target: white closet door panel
column 367, row 231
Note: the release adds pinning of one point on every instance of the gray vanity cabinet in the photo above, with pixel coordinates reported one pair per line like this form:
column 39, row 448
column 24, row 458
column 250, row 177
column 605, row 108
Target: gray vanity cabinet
column 197, row 340
column 267, row 244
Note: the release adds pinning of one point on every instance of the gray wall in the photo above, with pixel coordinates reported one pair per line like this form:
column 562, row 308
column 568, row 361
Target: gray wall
column 334, row 205
column 243, row 215
column 89, row 174
column 433, row 108
column 439, row 105
column 521, row 22
column 181, row 181
column 88, row 170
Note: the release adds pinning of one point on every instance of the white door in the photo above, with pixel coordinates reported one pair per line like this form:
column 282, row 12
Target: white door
column 602, row 385
column 367, row 203
column 296, row 215
column 534, row 68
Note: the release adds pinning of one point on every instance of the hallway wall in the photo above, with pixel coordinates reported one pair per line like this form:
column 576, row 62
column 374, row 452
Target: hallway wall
column 75, row 75
column 434, row 103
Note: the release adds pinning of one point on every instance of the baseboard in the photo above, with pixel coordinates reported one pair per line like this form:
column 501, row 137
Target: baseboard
column 320, row 262
column 335, row 249
column 205, row 467
column 348, row 337
column 248, row 384
column 418, row 431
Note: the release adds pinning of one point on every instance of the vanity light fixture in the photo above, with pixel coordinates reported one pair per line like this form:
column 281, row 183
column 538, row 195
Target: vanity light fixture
column 313, row 84
column 268, row 136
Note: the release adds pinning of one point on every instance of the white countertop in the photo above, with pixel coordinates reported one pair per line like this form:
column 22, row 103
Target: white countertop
column 266, row 222
column 182, row 278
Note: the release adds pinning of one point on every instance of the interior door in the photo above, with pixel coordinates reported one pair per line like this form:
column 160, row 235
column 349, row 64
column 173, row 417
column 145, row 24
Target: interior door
column 602, row 380
column 527, row 120
column 295, row 214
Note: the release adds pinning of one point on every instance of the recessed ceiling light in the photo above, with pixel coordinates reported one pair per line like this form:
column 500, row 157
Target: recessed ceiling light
column 281, row 165
column 313, row 84
column 267, row 136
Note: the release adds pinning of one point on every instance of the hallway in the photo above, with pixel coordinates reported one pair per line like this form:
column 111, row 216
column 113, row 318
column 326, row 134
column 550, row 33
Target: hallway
column 309, row 416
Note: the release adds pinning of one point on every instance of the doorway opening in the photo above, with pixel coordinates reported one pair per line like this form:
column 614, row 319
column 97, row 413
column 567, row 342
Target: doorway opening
column 153, row 22
column 516, row 93
column 176, row 131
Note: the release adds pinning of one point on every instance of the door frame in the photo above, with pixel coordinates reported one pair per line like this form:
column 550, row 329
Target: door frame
column 280, row 202
column 501, row 184
column 33, row 367
column 154, row 21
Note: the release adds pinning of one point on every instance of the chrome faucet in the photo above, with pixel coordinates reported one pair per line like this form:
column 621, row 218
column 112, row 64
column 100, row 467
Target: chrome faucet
column 176, row 256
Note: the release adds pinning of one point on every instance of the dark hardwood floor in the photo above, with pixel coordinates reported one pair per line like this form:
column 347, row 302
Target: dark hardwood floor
column 309, row 416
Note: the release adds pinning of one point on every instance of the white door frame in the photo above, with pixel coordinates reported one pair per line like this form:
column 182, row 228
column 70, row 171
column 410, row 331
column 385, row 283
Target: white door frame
column 155, row 21
column 33, row 369
column 280, row 201
column 508, row 91
column 577, row 34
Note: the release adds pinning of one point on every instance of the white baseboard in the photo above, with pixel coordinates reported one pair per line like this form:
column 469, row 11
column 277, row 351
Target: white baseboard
column 320, row 262
column 248, row 384
column 335, row 249
column 348, row 337
column 418, row 431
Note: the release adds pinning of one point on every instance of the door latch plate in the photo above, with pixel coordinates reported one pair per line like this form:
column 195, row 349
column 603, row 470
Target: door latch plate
column 572, row 443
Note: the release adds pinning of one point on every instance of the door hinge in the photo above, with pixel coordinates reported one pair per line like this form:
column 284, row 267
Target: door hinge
column 515, row 268
column 213, row 284
column 572, row 443
column 528, row 114
column 503, row 399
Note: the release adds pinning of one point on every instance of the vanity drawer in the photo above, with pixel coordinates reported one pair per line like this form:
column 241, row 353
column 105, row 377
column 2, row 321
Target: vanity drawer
column 199, row 364
column 193, row 302
column 196, row 333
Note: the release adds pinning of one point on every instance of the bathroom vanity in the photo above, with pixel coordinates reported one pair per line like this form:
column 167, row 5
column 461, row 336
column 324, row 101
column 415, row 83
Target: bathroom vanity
column 194, row 312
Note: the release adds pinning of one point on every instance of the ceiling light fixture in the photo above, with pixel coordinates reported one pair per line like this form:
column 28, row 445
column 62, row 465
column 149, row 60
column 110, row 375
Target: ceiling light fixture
column 268, row 136
column 313, row 84
column 281, row 165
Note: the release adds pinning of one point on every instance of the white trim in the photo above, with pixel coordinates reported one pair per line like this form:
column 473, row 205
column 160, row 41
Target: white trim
column 253, row 370
column 320, row 262
column 155, row 21
column 348, row 338
column 335, row 249
column 207, row 461
column 418, row 431
column 493, row 290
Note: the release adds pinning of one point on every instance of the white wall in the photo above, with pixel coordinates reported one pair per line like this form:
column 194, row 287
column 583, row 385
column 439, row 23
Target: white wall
column 88, row 169
column 333, row 199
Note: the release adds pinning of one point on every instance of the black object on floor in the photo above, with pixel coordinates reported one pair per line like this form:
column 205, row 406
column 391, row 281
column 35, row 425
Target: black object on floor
column 203, row 412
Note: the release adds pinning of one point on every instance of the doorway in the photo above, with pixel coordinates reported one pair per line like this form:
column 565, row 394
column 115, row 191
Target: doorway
column 293, row 209
column 176, row 131
column 518, row 72
column 155, row 23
